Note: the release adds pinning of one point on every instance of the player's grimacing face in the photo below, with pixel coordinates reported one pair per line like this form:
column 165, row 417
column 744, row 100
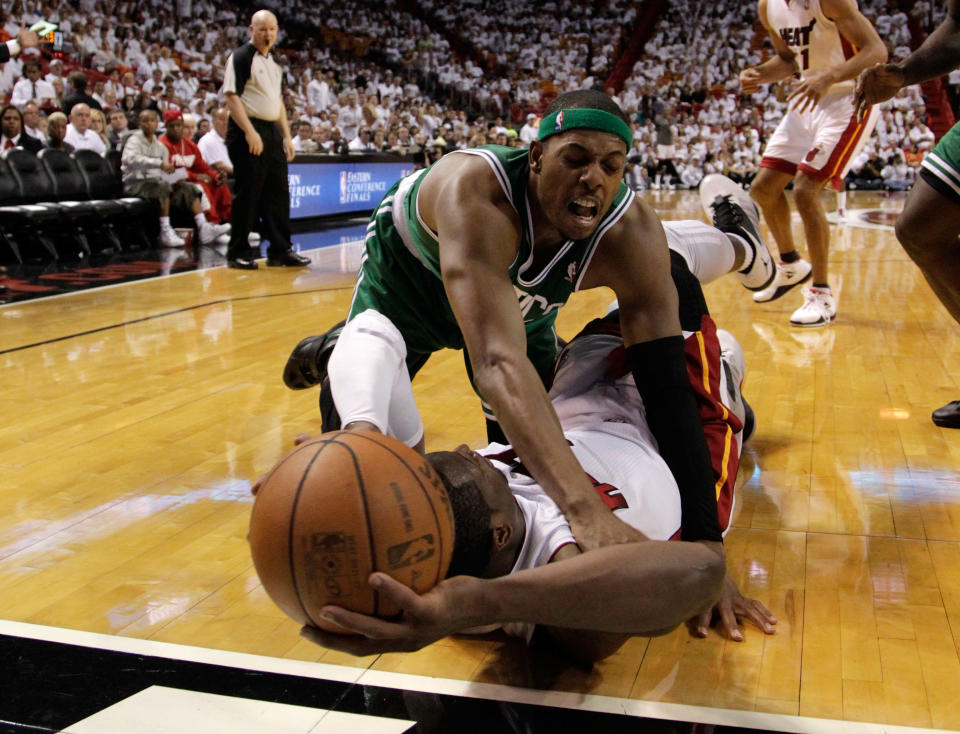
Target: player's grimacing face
column 580, row 172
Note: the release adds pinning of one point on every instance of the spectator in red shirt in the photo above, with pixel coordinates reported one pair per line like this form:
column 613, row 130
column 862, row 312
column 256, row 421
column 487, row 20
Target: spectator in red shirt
column 184, row 153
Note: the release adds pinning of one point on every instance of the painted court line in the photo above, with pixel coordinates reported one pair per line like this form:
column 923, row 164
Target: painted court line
column 425, row 684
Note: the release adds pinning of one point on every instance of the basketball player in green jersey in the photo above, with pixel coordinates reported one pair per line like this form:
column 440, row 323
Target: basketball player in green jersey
column 929, row 225
column 478, row 252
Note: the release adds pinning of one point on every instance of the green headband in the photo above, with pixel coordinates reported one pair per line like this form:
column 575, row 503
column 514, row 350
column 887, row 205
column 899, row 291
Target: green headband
column 590, row 119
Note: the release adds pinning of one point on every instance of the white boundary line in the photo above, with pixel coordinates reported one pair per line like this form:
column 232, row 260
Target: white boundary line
column 561, row 699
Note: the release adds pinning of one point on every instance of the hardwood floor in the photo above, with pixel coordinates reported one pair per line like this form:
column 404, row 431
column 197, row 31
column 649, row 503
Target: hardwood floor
column 139, row 415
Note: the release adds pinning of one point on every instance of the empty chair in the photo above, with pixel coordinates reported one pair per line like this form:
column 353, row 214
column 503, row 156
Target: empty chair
column 37, row 187
column 93, row 217
column 103, row 183
column 22, row 226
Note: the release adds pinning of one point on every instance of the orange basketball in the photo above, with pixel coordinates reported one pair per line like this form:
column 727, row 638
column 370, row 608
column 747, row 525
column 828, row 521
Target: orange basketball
column 339, row 507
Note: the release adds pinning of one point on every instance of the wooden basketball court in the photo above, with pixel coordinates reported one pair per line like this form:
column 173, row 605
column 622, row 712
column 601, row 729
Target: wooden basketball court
column 138, row 415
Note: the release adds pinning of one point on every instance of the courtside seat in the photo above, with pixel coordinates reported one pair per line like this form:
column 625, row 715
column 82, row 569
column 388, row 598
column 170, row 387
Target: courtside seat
column 37, row 188
column 94, row 217
column 22, row 226
column 103, row 183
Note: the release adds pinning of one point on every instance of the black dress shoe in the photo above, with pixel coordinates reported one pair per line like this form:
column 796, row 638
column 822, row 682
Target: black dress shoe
column 242, row 263
column 288, row 259
column 948, row 416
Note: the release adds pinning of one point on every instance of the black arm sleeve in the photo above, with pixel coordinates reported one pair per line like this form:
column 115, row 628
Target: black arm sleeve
column 660, row 371
column 4, row 52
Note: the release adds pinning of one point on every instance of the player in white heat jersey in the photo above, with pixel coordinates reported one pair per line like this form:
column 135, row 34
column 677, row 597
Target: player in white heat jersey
column 827, row 43
column 516, row 563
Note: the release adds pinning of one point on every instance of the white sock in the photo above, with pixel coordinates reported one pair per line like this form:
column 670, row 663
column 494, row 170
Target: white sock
column 841, row 201
column 708, row 251
column 165, row 223
column 200, row 220
column 369, row 378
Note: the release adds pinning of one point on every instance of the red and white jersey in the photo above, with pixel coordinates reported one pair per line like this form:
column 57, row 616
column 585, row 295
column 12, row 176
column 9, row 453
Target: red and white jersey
column 604, row 422
column 626, row 471
column 814, row 38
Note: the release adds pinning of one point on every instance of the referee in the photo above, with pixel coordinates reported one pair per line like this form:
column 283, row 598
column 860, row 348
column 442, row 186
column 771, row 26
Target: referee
column 259, row 143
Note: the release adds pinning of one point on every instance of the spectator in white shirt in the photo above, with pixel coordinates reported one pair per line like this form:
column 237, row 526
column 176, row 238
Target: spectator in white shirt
column 528, row 132
column 79, row 134
column 32, row 88
column 31, row 121
column 303, row 142
column 213, row 145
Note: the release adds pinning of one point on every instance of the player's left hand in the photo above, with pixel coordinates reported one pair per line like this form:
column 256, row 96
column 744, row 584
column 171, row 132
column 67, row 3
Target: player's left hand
column 288, row 148
column 446, row 609
column 729, row 608
column 808, row 91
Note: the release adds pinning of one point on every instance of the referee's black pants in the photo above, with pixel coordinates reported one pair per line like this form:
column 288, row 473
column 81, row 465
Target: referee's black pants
column 260, row 192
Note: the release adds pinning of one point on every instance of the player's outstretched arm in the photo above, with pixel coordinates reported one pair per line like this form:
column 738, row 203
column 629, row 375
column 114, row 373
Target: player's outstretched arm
column 936, row 56
column 635, row 263
column 641, row 588
column 479, row 237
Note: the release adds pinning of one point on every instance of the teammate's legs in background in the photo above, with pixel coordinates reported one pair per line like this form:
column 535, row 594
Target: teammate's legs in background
column 928, row 229
column 768, row 190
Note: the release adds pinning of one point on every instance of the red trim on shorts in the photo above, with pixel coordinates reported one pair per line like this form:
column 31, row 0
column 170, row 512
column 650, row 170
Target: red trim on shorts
column 779, row 164
column 719, row 424
column 841, row 152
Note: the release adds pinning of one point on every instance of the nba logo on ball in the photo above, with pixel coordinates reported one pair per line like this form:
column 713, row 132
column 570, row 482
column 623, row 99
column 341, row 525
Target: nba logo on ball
column 343, row 187
column 558, row 123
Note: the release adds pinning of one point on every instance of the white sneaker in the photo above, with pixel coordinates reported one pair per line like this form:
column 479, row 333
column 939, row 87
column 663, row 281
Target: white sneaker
column 818, row 308
column 789, row 275
column 209, row 232
column 731, row 210
column 735, row 367
column 169, row 238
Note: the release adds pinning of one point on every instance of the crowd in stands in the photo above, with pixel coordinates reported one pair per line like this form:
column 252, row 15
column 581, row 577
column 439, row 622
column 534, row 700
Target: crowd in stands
column 425, row 78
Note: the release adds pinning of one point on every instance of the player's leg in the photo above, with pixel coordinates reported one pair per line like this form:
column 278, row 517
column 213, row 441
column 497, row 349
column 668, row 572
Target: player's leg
column 734, row 213
column 839, row 186
column 819, row 307
column 928, row 229
column 369, row 380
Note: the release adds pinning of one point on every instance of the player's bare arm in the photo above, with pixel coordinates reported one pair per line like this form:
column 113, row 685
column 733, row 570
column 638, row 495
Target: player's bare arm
column 479, row 239
column 640, row 588
column 779, row 66
column 937, row 55
column 854, row 27
column 635, row 263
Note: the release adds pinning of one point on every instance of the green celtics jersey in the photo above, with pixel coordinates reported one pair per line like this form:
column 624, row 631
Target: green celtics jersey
column 400, row 268
column 540, row 293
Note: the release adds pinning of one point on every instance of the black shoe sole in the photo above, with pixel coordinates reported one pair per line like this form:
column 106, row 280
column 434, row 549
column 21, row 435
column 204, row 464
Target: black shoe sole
column 307, row 364
column 749, row 421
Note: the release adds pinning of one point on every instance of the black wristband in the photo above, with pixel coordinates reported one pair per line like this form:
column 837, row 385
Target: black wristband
column 660, row 371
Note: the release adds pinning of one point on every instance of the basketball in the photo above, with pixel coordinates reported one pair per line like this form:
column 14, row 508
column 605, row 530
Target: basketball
column 339, row 507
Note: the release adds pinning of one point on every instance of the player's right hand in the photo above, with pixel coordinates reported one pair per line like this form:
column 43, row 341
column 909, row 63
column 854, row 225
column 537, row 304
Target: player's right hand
column 451, row 606
column 750, row 80
column 876, row 84
column 254, row 142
